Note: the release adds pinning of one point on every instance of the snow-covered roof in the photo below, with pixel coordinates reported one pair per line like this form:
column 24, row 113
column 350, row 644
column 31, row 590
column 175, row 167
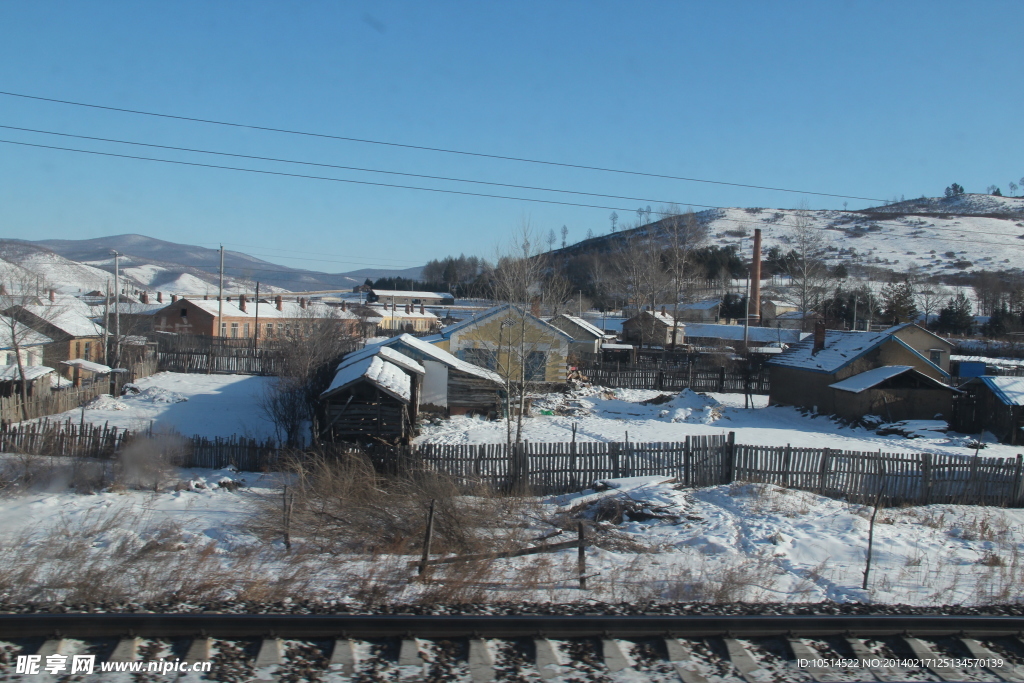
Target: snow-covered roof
column 1009, row 390
column 663, row 318
column 841, row 348
column 705, row 305
column 590, row 328
column 797, row 315
column 71, row 320
column 83, row 364
column 441, row 356
column 268, row 310
column 387, row 376
column 756, row 335
column 392, row 293
column 870, row 378
column 25, row 336
column 9, row 373
column 613, row 347
column 399, row 312
column 388, row 354
column 130, row 308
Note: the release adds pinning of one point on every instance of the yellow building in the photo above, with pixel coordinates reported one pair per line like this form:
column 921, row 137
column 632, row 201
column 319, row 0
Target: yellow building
column 512, row 342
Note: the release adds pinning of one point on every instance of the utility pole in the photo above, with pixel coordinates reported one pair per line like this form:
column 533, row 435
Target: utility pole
column 220, row 295
column 746, row 307
column 106, row 327
column 256, row 333
column 855, row 302
column 117, row 308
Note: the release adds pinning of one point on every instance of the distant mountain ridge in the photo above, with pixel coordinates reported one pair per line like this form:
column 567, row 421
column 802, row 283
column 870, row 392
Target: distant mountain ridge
column 155, row 264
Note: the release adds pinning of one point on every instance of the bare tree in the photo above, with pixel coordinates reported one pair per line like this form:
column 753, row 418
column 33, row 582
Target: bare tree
column 565, row 235
column 929, row 299
column 551, row 239
column 17, row 293
column 684, row 234
column 808, row 273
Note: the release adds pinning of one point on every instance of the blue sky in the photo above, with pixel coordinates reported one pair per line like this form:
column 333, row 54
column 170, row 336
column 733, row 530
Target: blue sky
column 870, row 99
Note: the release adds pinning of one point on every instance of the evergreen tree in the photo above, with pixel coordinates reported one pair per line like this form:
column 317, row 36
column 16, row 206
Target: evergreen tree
column 898, row 302
column 955, row 316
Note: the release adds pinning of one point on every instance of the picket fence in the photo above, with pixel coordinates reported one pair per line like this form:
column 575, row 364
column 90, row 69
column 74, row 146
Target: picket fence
column 550, row 468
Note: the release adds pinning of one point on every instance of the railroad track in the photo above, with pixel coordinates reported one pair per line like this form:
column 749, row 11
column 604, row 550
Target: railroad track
column 480, row 648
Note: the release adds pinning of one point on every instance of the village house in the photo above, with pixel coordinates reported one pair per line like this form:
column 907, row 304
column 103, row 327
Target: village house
column 707, row 311
column 390, row 297
column 31, row 347
column 773, row 308
column 586, row 336
column 709, row 335
column 374, row 396
column 396, row 319
column 279, row 319
column 69, row 326
column 900, row 373
column 511, row 341
column 653, row 328
column 994, row 404
column 450, row 386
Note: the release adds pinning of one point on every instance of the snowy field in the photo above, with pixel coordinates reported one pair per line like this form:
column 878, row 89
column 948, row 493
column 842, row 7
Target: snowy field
column 651, row 541
column 609, row 414
column 190, row 404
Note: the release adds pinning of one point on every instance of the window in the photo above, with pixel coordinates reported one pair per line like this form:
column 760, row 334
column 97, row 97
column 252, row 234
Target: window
column 270, row 329
column 536, row 364
column 484, row 358
column 245, row 330
column 184, row 313
column 78, row 349
column 223, row 329
column 234, row 330
column 88, row 351
column 935, row 356
column 280, row 329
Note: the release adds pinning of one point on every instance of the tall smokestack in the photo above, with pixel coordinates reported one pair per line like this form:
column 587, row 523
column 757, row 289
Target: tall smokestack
column 754, row 305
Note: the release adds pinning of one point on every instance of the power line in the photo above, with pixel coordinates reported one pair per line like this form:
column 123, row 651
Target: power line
column 352, row 168
column 437, row 149
column 404, row 187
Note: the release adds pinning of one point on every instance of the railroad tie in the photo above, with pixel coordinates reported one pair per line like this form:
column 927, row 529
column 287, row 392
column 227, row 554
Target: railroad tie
column 481, row 664
column 861, row 652
column 409, row 653
column 269, row 653
column 802, row 650
column 922, row 651
column 546, row 658
column 126, row 650
column 51, row 646
column 1007, row 672
column 744, row 661
column 198, row 650
column 681, row 658
column 343, row 656
column 614, row 658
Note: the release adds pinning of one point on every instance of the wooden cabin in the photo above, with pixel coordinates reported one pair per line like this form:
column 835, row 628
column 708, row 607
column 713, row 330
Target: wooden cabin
column 375, row 396
column 451, row 386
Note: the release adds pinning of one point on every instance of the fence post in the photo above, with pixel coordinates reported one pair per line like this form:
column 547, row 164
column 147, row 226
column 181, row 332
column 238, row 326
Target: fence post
column 581, row 556
column 926, row 476
column 730, row 455
column 826, row 455
column 787, row 464
column 721, row 379
column 613, row 451
column 687, row 463
column 1017, row 493
column 428, row 538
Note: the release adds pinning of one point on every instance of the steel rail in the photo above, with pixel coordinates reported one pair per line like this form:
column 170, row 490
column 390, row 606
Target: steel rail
column 153, row 625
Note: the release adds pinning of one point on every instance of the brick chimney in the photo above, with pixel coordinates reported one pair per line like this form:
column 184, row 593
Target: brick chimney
column 344, row 305
column 206, row 297
column 819, row 336
column 53, row 296
column 144, row 298
column 663, row 311
column 241, row 302
column 422, row 310
column 302, row 302
column 174, row 298
column 159, row 297
column 407, row 311
column 279, row 302
column 535, row 306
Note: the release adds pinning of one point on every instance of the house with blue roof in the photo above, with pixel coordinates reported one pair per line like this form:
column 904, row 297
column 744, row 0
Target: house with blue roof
column 901, row 373
column 994, row 404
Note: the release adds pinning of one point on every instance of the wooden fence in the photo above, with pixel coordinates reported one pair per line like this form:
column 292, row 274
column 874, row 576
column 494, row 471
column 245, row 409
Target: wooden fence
column 201, row 354
column 902, row 478
column 697, row 378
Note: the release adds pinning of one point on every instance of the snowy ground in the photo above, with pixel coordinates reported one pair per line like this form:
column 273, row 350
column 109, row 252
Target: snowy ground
column 608, row 414
column 654, row 541
column 207, row 405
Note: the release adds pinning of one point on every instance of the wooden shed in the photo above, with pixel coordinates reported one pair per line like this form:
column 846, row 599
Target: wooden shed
column 994, row 404
column 374, row 397
column 450, row 385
